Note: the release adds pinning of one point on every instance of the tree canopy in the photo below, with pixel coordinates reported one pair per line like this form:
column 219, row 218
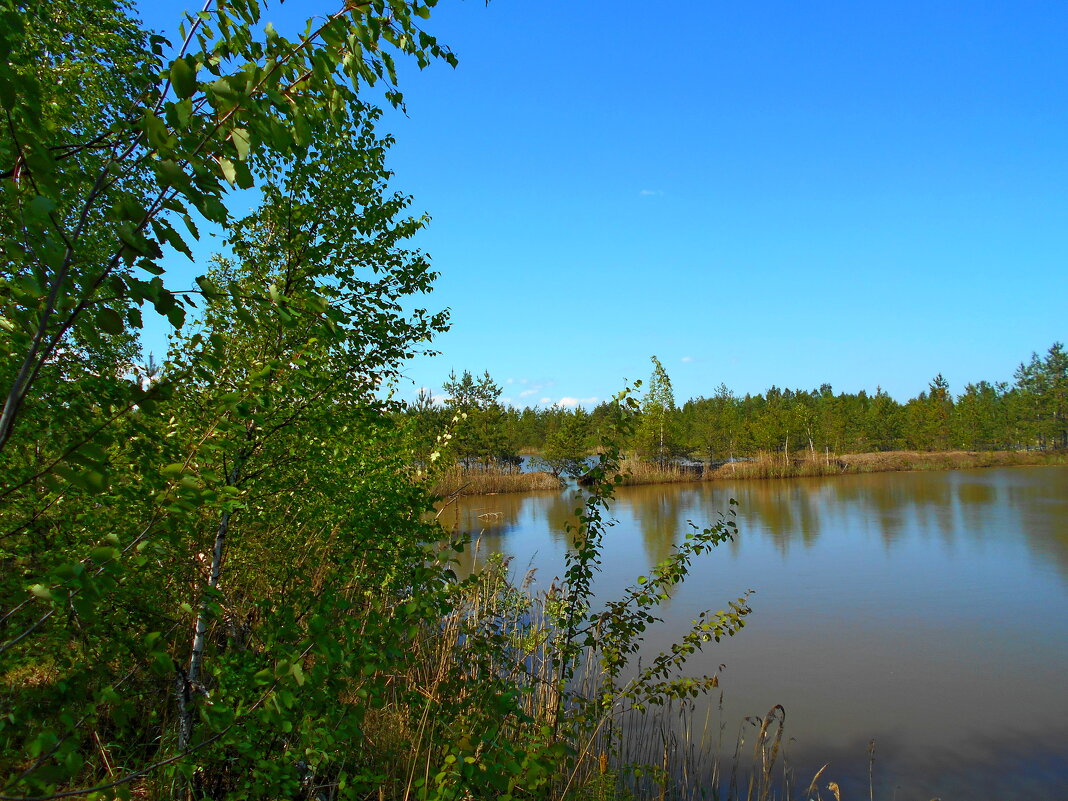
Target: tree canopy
column 1030, row 413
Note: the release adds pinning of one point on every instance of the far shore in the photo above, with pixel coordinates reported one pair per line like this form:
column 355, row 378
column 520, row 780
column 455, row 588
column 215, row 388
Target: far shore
column 458, row 481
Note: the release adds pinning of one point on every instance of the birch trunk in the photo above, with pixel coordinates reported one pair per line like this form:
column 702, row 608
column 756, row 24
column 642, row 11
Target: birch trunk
column 189, row 681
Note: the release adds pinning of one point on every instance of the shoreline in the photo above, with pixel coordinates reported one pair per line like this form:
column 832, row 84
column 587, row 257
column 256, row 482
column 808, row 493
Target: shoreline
column 761, row 467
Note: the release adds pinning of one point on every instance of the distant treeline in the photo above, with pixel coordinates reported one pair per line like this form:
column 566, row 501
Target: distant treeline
column 1032, row 412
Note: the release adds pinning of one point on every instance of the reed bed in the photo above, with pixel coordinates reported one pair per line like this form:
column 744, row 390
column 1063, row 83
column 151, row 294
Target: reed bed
column 458, row 480
column 947, row 460
column 637, row 471
column 499, row 640
column 768, row 465
column 775, row 465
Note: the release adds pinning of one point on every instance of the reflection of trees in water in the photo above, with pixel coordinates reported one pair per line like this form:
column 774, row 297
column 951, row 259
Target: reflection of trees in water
column 484, row 520
column 478, row 514
column 934, row 504
column 876, row 499
column 981, row 505
column 972, row 492
column 977, row 505
column 947, row 505
column 788, row 511
column 559, row 511
column 714, row 502
column 1041, row 508
column 657, row 510
column 974, row 506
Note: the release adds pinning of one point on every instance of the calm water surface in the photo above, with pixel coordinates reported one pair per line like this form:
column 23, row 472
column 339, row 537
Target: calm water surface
column 928, row 611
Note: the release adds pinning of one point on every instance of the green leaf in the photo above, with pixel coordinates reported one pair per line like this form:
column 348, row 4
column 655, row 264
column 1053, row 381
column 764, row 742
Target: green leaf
column 165, row 233
column 228, row 171
column 183, row 78
column 176, row 316
column 91, row 480
column 104, row 554
column 157, row 134
column 264, row 677
column 133, row 239
column 208, row 287
column 179, row 114
column 243, row 176
column 28, row 285
column 40, row 206
column 241, row 140
column 110, row 321
column 150, row 267
column 168, row 173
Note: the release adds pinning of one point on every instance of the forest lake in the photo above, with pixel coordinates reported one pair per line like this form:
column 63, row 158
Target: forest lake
column 927, row 611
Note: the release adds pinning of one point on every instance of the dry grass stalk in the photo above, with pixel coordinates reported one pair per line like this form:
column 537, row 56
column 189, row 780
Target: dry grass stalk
column 458, row 480
column 770, row 465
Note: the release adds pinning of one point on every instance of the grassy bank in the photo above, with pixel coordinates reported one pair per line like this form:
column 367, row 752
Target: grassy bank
column 463, row 481
column 774, row 465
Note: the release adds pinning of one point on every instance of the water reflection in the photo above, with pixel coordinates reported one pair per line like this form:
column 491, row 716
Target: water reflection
column 1026, row 503
column 926, row 610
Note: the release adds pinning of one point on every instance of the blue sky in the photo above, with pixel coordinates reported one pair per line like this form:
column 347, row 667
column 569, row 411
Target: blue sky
column 758, row 193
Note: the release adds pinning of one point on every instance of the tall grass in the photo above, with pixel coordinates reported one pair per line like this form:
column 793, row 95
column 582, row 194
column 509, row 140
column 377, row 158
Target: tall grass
column 770, row 465
column 948, row 460
column 639, row 471
column 500, row 636
column 767, row 464
column 459, row 480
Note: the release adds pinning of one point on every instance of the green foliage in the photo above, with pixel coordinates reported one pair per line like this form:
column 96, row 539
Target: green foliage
column 567, row 443
column 220, row 578
column 100, row 174
column 597, row 648
column 480, row 438
column 210, row 570
column 1043, row 397
column 1031, row 413
column 655, row 438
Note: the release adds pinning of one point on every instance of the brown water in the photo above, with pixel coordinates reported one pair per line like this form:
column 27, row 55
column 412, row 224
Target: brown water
column 928, row 611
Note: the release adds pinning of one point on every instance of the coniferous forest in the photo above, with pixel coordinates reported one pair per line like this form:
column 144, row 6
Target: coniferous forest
column 1031, row 413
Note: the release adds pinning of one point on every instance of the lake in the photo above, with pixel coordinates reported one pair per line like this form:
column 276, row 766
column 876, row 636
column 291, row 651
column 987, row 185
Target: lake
column 927, row 611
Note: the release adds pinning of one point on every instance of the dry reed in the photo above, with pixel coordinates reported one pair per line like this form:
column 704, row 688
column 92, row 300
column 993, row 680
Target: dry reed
column 637, row 471
column 768, row 465
column 672, row 751
column 458, row 480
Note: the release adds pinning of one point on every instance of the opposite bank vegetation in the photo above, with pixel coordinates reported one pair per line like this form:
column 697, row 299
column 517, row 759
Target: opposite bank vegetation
column 776, row 434
column 489, row 481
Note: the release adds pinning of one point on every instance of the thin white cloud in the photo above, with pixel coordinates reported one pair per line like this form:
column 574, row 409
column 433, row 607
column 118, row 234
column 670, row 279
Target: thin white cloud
column 569, row 401
column 686, row 359
column 546, row 400
column 526, row 393
column 651, row 192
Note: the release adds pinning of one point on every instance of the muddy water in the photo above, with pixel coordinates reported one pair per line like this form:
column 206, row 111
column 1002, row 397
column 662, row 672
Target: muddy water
column 927, row 611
